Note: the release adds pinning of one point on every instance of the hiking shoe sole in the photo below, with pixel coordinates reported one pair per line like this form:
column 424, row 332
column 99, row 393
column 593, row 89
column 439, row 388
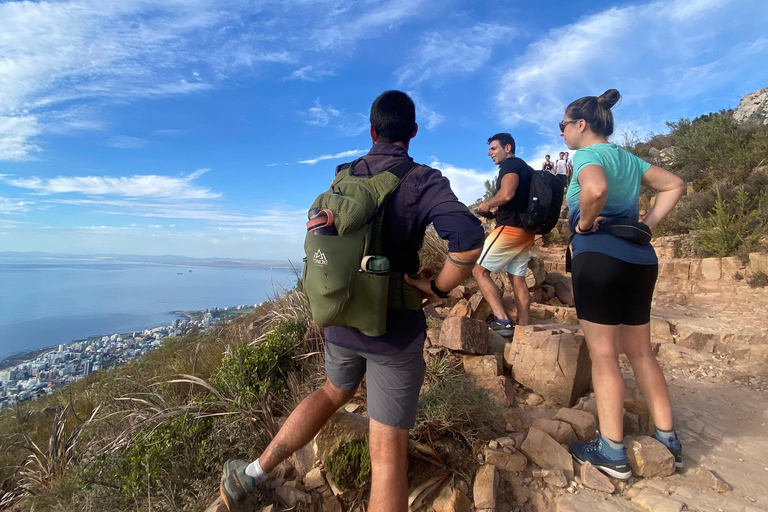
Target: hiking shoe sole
column 235, row 484
column 620, row 475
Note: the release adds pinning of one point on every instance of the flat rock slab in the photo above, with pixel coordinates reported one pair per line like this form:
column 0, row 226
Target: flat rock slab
column 507, row 461
column 654, row 501
column 586, row 502
column 547, row 453
column 560, row 431
column 595, row 479
column 486, row 487
column 451, row 499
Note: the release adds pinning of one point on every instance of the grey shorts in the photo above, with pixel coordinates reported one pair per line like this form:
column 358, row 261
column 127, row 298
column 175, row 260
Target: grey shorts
column 393, row 381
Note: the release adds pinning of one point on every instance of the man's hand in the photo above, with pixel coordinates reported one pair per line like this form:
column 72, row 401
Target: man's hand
column 425, row 288
column 483, row 207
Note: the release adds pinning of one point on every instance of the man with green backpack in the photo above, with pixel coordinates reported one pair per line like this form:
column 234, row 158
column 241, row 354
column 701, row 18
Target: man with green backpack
column 362, row 249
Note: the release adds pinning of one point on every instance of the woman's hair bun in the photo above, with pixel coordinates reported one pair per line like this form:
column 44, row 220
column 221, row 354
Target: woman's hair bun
column 609, row 98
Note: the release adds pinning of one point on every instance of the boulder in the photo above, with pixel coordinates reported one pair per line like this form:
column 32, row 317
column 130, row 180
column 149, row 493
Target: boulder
column 454, row 296
column 758, row 262
column 710, row 480
column 483, row 366
column 451, row 499
column 464, row 334
column 486, row 487
column 554, row 364
column 753, row 108
column 496, row 344
column 710, row 269
column 648, row 457
column 660, row 329
column 480, row 308
column 536, row 266
column 331, row 504
column 547, row 453
column 506, row 461
column 583, row 423
column 595, row 479
column 556, row 477
column 563, row 287
column 499, row 389
column 314, row 479
column 560, row 431
column 342, row 427
column 461, row 308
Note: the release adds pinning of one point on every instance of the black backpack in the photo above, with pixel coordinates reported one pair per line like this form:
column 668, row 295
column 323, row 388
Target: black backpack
column 545, row 199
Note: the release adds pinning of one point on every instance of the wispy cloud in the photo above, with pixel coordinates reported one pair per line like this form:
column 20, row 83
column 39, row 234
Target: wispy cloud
column 458, row 51
column 345, row 123
column 669, row 51
column 425, row 116
column 467, row 184
column 127, row 142
column 310, row 73
column 13, row 205
column 17, row 135
column 352, row 153
column 146, row 186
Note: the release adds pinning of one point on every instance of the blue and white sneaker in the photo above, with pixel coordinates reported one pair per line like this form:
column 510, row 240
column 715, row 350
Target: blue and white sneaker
column 595, row 452
column 674, row 446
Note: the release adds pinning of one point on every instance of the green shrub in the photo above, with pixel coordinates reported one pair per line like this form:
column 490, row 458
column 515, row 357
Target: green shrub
column 253, row 371
column 349, row 465
column 733, row 227
column 758, row 280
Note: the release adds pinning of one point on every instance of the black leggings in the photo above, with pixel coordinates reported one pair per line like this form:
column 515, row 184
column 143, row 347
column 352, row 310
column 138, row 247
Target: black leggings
column 610, row 291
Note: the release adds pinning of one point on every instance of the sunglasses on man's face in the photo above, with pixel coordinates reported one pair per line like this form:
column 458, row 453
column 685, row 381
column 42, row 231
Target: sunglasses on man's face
column 562, row 124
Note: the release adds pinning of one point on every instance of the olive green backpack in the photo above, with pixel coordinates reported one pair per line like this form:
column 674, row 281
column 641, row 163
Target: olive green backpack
column 342, row 287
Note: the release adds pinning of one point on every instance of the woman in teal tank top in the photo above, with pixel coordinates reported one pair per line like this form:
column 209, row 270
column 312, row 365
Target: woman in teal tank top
column 613, row 279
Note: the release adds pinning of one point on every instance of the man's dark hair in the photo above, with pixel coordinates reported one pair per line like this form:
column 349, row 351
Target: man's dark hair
column 504, row 139
column 546, row 156
column 393, row 117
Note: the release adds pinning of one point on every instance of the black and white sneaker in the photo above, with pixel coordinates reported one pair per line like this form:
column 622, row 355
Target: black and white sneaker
column 505, row 329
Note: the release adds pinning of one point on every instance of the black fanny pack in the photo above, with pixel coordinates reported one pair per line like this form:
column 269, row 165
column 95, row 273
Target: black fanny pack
column 627, row 229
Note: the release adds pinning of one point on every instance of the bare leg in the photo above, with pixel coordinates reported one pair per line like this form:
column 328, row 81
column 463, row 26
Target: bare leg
column 483, row 277
column 389, row 468
column 522, row 300
column 607, row 380
column 636, row 344
column 304, row 423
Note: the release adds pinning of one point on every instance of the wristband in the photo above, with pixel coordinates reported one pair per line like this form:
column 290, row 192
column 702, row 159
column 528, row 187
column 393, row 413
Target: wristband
column 437, row 291
column 580, row 231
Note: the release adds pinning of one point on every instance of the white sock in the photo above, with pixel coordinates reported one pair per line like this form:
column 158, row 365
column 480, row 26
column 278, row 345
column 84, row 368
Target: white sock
column 254, row 471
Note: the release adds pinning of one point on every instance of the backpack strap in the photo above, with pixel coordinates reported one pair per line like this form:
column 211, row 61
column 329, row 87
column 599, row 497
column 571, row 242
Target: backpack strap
column 373, row 244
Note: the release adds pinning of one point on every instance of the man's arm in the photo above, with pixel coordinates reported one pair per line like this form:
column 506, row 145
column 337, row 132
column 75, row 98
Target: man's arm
column 506, row 192
column 457, row 267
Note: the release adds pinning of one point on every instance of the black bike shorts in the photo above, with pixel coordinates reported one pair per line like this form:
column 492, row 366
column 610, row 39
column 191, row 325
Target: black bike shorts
column 610, row 291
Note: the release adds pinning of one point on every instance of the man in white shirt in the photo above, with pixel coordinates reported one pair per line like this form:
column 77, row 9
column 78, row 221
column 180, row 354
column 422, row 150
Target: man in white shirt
column 561, row 168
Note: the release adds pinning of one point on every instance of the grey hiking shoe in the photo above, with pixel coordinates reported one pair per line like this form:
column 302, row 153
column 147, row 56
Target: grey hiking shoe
column 235, row 484
column 505, row 329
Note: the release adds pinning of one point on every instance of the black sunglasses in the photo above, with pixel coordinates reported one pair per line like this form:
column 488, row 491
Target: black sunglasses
column 562, row 125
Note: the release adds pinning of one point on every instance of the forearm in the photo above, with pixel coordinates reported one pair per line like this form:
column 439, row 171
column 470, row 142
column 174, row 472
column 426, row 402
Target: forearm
column 498, row 200
column 665, row 201
column 590, row 206
column 457, row 267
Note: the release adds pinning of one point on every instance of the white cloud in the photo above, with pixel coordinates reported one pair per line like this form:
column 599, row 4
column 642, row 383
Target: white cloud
column 310, row 73
column 467, row 184
column 352, row 153
column 13, row 205
column 17, row 135
column 425, row 116
column 343, row 122
column 453, row 52
column 149, row 185
column 664, row 51
column 318, row 115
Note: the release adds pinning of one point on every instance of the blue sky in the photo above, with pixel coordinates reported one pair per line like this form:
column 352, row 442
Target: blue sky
column 206, row 128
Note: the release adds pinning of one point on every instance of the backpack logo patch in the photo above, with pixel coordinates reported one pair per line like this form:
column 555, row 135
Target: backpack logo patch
column 320, row 258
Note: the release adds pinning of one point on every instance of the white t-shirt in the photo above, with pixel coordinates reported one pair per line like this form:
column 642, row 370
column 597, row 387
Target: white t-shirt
column 561, row 167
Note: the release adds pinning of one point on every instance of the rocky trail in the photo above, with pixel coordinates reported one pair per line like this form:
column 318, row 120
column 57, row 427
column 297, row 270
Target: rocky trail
column 710, row 330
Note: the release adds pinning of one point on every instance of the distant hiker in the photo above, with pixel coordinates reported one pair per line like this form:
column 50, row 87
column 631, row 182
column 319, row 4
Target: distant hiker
column 393, row 363
column 547, row 165
column 614, row 277
column 508, row 246
column 561, row 168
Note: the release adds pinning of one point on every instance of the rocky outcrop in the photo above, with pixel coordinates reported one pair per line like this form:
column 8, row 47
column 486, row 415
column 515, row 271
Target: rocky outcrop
column 753, row 108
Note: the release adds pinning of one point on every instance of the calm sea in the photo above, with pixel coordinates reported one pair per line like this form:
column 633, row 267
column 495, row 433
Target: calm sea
column 44, row 302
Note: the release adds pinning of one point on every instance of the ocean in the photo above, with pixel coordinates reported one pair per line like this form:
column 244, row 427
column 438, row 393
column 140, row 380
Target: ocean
column 48, row 301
